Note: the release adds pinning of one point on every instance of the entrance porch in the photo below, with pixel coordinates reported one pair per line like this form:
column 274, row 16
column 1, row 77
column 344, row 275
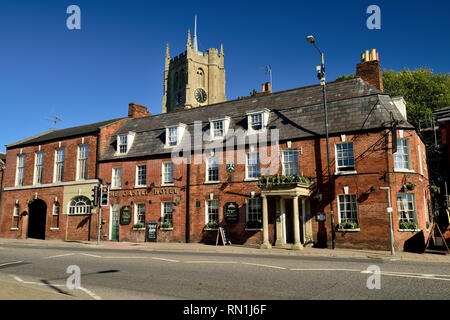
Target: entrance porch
column 292, row 216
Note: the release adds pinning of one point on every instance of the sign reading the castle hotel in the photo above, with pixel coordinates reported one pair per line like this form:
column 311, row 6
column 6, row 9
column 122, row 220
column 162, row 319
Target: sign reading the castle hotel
column 144, row 192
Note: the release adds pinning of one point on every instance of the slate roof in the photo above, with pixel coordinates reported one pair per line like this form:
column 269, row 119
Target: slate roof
column 353, row 105
column 53, row 135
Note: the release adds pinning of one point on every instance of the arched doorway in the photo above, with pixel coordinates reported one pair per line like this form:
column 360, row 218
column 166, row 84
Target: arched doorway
column 37, row 216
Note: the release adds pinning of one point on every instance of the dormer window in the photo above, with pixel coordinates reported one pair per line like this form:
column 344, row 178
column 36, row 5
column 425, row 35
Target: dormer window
column 219, row 127
column 257, row 120
column 174, row 135
column 123, row 145
column 124, row 142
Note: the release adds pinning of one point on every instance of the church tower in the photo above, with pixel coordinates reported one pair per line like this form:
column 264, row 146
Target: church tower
column 193, row 78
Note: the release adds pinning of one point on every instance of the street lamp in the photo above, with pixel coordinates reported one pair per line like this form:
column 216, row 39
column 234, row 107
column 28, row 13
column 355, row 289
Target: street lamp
column 321, row 76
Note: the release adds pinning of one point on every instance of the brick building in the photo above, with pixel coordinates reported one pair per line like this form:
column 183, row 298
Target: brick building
column 256, row 166
column 48, row 182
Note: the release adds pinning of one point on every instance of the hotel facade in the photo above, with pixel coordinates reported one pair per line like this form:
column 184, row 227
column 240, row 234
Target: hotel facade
column 256, row 166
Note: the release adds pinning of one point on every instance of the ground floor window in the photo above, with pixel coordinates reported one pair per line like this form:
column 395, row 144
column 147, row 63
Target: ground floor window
column 139, row 215
column 212, row 213
column 16, row 216
column 80, row 205
column 254, row 213
column 406, row 211
column 348, row 212
column 166, row 215
column 55, row 215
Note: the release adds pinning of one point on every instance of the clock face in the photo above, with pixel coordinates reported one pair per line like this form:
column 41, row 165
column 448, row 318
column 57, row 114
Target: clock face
column 231, row 167
column 200, row 95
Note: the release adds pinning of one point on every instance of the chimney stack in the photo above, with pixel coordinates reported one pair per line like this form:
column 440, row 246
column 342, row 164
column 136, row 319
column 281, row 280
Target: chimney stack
column 137, row 111
column 370, row 69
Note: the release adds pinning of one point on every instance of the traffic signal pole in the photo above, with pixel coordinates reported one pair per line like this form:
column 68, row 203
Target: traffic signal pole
column 99, row 224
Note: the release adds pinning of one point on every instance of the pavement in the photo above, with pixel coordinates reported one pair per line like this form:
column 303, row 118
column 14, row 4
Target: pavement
column 241, row 249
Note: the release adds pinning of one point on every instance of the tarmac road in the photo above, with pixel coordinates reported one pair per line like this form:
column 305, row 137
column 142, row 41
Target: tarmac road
column 33, row 271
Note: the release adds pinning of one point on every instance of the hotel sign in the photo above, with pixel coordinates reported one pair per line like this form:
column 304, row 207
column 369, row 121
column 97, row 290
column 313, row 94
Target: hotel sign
column 231, row 212
column 143, row 192
column 125, row 215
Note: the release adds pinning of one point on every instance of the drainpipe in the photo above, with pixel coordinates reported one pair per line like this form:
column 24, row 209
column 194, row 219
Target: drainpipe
column 188, row 182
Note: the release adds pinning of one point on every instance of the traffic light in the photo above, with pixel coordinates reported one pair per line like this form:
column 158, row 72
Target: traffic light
column 104, row 195
column 95, row 195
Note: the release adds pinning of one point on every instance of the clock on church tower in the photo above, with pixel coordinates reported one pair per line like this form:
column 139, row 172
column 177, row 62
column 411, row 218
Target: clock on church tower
column 193, row 78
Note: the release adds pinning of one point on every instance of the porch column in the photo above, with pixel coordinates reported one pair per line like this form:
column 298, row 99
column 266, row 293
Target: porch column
column 265, row 221
column 297, row 244
column 281, row 211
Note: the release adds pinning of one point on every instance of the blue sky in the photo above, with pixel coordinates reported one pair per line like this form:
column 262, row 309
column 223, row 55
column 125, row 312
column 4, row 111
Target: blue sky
column 117, row 57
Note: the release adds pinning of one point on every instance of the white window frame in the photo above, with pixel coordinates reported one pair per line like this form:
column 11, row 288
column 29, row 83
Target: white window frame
column 180, row 128
column 138, row 184
column 38, row 167
column 137, row 213
column 114, row 178
column 75, row 209
column 264, row 120
column 82, row 162
column 20, row 171
column 225, row 124
column 16, row 212
column 208, row 169
column 413, row 211
column 207, row 207
column 248, row 166
column 164, row 173
column 293, row 150
column 352, row 211
column 164, row 213
column 408, row 154
column 58, row 175
column 344, row 168
column 122, row 141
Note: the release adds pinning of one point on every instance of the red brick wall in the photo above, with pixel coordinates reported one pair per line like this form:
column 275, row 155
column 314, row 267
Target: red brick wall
column 153, row 210
column 76, row 227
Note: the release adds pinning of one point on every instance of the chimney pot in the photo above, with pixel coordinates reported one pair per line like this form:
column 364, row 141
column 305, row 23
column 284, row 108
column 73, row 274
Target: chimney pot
column 370, row 69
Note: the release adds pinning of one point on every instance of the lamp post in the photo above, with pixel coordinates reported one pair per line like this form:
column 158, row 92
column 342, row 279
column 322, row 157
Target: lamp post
column 321, row 76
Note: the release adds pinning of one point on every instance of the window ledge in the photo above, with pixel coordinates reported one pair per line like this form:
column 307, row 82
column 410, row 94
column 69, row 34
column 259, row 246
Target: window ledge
column 349, row 230
column 343, row 173
column 251, row 179
column 211, row 182
column 54, row 229
column 14, row 229
column 140, row 186
column 79, row 214
column 404, row 170
column 166, row 229
column 168, row 185
column 409, row 230
column 210, row 229
column 115, row 188
column 253, row 229
column 138, row 229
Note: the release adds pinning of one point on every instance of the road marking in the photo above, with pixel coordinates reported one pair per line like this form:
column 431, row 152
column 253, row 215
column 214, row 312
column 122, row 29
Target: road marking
column 93, row 295
column 90, row 255
column 163, row 259
column 323, row 269
column 263, row 265
column 9, row 263
column 209, row 261
column 60, row 255
column 125, row 257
